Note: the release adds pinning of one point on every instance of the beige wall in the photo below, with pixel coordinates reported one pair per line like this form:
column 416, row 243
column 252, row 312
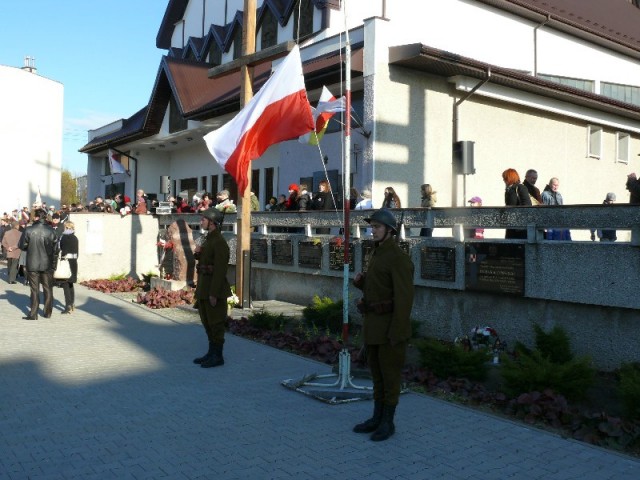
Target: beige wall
column 414, row 132
column 111, row 245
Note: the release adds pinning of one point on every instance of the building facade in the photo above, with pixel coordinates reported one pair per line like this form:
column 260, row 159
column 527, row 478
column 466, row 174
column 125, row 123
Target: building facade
column 553, row 86
column 31, row 130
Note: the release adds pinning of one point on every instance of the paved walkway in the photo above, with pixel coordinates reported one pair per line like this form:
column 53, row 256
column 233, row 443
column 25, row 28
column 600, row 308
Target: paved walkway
column 110, row 392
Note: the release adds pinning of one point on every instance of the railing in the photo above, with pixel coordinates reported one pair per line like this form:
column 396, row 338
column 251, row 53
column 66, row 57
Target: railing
column 533, row 219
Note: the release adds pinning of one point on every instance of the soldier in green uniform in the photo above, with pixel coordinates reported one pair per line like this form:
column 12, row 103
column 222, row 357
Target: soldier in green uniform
column 213, row 287
column 386, row 306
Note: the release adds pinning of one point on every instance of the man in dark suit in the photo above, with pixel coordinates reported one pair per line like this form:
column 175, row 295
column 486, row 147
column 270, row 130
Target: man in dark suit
column 41, row 244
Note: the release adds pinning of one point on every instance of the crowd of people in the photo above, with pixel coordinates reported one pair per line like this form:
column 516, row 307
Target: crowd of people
column 34, row 245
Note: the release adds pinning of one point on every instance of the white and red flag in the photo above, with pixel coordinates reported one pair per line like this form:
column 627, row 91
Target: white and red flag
column 114, row 163
column 327, row 107
column 279, row 111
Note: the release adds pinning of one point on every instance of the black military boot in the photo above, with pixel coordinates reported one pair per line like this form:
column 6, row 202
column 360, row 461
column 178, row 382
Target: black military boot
column 215, row 359
column 386, row 427
column 201, row 359
column 371, row 425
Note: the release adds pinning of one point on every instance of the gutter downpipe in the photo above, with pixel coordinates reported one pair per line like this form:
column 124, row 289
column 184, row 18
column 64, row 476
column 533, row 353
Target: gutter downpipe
column 454, row 179
column 535, row 44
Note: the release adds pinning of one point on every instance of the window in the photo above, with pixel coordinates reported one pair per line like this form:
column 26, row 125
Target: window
column 214, row 185
column 303, row 21
column 623, row 93
column 623, row 147
column 113, row 189
column 579, row 83
column 177, row 122
column 188, row 187
column 255, row 182
column 215, row 54
column 268, row 183
column 228, row 183
column 268, row 30
column 203, row 183
column 594, row 141
column 237, row 43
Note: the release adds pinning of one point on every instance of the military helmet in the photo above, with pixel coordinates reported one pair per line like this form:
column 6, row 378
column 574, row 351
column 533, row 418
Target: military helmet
column 384, row 217
column 213, row 214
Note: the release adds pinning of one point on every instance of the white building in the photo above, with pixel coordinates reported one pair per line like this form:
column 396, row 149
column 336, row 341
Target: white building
column 551, row 85
column 31, row 137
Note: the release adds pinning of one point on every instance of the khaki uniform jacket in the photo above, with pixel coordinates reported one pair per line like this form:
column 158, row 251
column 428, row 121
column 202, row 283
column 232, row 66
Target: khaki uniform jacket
column 215, row 251
column 389, row 277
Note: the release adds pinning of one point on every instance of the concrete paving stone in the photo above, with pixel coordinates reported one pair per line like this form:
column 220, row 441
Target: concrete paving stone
column 113, row 388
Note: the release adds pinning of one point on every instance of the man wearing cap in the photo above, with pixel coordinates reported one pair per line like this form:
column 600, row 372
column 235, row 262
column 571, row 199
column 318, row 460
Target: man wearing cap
column 606, row 235
column 386, row 306
column 10, row 242
column 41, row 244
column 474, row 233
column 213, row 288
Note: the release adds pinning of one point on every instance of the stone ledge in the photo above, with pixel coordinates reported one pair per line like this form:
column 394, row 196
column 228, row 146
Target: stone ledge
column 167, row 284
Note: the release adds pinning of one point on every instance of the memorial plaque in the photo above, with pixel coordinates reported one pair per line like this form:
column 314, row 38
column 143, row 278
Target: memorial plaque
column 259, row 252
column 438, row 263
column 310, row 255
column 369, row 245
column 336, row 257
column 494, row 267
column 281, row 252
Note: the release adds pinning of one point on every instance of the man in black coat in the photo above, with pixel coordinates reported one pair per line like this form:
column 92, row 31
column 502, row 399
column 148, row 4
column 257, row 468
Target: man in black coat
column 41, row 244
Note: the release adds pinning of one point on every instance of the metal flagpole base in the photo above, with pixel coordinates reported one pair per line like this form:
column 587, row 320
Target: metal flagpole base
column 341, row 391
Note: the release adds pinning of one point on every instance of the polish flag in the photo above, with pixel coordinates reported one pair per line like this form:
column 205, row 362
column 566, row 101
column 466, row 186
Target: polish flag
column 327, row 107
column 114, row 163
column 279, row 111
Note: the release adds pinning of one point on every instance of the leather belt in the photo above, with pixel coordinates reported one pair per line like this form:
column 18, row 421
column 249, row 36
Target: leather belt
column 205, row 269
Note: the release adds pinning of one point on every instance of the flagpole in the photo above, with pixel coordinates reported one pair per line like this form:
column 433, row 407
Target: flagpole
column 243, row 237
column 347, row 192
column 343, row 378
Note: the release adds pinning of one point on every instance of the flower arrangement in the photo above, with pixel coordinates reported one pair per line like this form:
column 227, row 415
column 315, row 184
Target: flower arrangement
column 233, row 300
column 483, row 338
column 165, row 244
column 337, row 241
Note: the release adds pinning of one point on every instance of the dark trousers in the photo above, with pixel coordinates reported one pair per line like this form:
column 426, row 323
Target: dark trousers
column 69, row 294
column 12, row 268
column 213, row 319
column 386, row 363
column 46, row 279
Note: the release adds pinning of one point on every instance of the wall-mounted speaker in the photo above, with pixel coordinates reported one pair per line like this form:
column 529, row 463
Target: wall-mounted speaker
column 165, row 184
column 463, row 157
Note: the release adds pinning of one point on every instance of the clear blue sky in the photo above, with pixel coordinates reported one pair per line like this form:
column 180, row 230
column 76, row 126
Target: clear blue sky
column 103, row 52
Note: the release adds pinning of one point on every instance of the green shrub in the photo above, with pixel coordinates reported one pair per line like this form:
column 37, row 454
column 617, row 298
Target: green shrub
column 551, row 365
column 555, row 345
column 118, row 276
column 416, row 328
column 267, row 321
column 450, row 360
column 536, row 373
column 630, row 389
column 324, row 314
